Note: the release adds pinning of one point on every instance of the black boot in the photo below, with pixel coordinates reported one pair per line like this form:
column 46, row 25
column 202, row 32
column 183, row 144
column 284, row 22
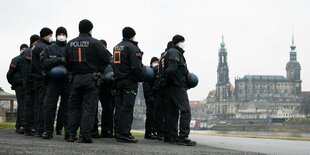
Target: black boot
column 95, row 135
column 107, row 135
column 47, row 135
column 186, row 141
column 149, row 136
column 58, row 132
column 70, row 138
column 30, row 132
column 126, row 138
column 84, row 140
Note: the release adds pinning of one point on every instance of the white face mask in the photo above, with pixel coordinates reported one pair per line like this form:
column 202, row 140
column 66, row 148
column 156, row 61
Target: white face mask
column 61, row 38
column 50, row 39
column 134, row 39
column 155, row 64
column 181, row 45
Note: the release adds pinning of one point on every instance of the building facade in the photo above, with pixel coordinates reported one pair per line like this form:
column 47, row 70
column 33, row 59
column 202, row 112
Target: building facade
column 256, row 96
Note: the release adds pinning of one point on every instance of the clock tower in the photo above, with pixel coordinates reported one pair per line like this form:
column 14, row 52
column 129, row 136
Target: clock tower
column 293, row 69
column 223, row 85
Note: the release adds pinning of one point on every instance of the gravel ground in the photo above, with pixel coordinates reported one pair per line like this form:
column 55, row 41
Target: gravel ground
column 13, row 143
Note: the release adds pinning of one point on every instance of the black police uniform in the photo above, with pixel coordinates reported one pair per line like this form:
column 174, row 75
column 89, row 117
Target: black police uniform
column 52, row 56
column 61, row 114
column 29, row 108
column 40, row 87
column 15, row 78
column 85, row 56
column 127, row 66
column 176, row 89
column 160, row 99
column 107, row 105
column 150, row 101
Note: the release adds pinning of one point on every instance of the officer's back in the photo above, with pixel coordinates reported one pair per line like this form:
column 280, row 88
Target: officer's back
column 86, row 55
column 176, row 68
column 45, row 40
column 127, row 61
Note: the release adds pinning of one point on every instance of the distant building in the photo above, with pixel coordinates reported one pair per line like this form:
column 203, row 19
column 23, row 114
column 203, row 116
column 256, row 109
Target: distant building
column 198, row 110
column 140, row 107
column 8, row 106
column 256, row 96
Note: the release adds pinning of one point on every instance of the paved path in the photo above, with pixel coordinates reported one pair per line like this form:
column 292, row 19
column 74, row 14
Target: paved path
column 12, row 143
column 266, row 146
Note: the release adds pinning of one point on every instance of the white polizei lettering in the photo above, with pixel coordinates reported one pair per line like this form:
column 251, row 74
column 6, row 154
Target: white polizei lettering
column 79, row 44
column 118, row 48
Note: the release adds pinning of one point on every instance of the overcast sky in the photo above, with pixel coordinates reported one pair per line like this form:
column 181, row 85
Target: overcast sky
column 257, row 33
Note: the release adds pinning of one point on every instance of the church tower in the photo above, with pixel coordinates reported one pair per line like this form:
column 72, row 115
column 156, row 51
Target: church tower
column 223, row 84
column 293, row 69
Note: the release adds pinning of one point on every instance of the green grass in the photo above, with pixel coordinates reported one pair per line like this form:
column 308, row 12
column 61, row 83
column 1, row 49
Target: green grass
column 5, row 125
column 138, row 134
column 299, row 121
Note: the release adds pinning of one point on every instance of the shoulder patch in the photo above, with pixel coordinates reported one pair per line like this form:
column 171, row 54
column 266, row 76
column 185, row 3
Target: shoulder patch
column 139, row 54
column 13, row 66
column 177, row 59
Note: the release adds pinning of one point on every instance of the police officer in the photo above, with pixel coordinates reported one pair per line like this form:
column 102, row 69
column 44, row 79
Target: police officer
column 127, row 66
column 86, row 58
column 160, row 98
column 57, row 85
column 15, row 78
column 150, row 131
column 176, row 70
column 37, row 76
column 106, row 100
column 29, row 107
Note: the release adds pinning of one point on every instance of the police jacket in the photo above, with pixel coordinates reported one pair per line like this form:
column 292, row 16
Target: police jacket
column 176, row 68
column 36, row 66
column 26, row 64
column 53, row 55
column 151, row 86
column 127, row 61
column 85, row 55
column 14, row 75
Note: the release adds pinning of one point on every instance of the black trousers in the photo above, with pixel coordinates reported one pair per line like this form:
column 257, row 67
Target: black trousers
column 107, row 113
column 29, row 108
column 150, row 115
column 61, row 114
column 20, row 96
column 160, row 102
column 40, row 92
column 107, row 104
column 83, row 102
column 54, row 90
column 178, row 105
column 126, row 91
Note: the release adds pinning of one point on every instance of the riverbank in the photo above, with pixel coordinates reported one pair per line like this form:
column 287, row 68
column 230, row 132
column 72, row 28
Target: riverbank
column 269, row 127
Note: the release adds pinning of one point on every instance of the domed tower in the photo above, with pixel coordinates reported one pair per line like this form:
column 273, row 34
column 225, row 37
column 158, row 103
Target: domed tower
column 223, row 85
column 293, row 69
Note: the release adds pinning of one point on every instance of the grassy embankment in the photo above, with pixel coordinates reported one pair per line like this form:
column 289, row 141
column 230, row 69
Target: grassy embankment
column 293, row 121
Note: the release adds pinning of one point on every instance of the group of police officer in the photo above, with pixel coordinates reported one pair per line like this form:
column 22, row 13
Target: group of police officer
column 82, row 71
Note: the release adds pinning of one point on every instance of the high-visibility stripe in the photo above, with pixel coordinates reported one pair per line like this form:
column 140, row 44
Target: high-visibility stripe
column 117, row 57
column 80, row 54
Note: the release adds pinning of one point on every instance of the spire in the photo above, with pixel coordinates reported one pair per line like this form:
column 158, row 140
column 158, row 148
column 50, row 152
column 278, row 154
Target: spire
column 293, row 47
column 222, row 43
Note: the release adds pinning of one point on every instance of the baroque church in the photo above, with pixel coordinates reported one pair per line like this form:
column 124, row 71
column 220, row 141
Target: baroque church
column 256, row 96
